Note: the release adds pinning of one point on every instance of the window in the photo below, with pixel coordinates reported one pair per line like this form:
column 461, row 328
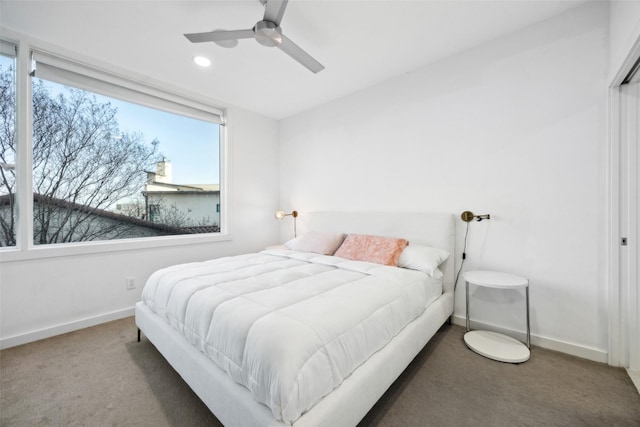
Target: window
column 114, row 160
column 154, row 213
column 8, row 218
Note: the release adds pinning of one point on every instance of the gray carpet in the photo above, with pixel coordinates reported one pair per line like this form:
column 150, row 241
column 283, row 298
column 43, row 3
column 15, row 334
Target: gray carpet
column 101, row 376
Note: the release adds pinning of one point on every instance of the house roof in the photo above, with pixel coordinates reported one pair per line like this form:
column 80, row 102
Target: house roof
column 172, row 188
column 38, row 198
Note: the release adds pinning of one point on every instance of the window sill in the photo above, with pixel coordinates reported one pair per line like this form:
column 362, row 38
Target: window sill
column 105, row 246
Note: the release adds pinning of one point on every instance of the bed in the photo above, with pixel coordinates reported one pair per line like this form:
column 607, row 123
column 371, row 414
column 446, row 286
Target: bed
column 208, row 356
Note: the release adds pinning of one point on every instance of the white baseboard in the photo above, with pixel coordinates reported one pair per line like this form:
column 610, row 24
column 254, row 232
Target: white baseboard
column 64, row 328
column 635, row 378
column 549, row 343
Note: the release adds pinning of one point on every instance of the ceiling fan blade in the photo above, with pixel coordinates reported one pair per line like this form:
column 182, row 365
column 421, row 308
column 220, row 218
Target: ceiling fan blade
column 274, row 10
column 219, row 35
column 294, row 51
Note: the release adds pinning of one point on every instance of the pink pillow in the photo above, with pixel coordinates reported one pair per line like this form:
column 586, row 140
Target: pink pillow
column 378, row 249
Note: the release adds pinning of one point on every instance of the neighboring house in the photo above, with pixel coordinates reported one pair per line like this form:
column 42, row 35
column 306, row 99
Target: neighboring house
column 58, row 221
column 186, row 205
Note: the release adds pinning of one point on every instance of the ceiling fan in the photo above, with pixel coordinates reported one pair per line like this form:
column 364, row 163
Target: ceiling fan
column 266, row 32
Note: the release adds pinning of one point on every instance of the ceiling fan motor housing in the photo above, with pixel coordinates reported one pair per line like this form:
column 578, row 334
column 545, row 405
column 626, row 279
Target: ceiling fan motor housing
column 268, row 33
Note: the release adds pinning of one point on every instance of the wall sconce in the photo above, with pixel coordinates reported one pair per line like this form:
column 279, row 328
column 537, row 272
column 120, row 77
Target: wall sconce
column 469, row 216
column 281, row 214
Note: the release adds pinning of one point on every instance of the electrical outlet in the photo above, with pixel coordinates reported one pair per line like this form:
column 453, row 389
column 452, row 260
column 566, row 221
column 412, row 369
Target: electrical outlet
column 131, row 283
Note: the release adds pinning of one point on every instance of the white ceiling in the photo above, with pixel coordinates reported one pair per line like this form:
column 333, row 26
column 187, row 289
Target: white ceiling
column 360, row 42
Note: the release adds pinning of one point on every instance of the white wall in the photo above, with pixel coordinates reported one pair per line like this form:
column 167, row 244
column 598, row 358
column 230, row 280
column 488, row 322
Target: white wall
column 515, row 128
column 624, row 31
column 45, row 296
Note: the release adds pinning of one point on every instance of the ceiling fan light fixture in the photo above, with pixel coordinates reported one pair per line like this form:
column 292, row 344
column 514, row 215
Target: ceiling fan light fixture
column 202, row 61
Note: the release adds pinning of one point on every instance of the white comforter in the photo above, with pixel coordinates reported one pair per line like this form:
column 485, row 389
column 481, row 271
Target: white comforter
column 290, row 326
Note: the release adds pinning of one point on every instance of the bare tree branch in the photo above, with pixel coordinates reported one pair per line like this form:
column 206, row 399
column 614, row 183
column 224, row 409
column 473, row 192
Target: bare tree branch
column 76, row 159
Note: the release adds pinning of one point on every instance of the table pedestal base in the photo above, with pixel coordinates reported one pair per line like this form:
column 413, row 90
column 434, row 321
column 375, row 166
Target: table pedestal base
column 497, row 346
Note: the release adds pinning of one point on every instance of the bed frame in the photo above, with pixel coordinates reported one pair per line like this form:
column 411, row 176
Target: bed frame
column 346, row 405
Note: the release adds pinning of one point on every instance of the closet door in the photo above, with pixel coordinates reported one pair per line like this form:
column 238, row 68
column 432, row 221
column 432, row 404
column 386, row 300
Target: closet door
column 629, row 212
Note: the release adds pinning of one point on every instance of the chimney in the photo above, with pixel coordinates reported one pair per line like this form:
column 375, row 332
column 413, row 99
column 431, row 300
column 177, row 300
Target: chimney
column 163, row 171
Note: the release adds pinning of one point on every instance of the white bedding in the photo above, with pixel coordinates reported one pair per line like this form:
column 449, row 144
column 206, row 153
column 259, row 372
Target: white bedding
column 244, row 312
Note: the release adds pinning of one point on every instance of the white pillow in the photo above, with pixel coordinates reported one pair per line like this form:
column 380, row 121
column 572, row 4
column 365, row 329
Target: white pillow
column 319, row 243
column 423, row 258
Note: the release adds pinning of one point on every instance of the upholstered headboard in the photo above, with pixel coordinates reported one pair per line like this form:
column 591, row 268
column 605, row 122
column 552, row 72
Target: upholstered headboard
column 432, row 229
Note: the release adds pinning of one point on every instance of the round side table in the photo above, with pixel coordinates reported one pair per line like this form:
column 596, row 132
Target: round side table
column 490, row 344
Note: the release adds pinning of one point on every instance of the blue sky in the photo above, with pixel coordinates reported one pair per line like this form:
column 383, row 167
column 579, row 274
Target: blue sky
column 191, row 145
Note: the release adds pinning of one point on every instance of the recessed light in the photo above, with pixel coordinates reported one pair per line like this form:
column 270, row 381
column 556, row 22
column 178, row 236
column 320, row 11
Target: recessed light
column 202, row 61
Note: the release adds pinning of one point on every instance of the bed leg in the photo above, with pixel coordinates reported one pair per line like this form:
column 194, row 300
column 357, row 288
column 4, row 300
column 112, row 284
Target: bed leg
column 138, row 334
